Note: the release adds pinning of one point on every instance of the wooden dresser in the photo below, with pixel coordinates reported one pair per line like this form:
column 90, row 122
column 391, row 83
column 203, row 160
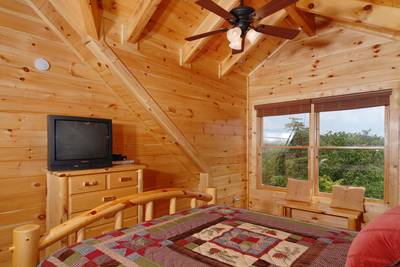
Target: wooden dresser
column 69, row 193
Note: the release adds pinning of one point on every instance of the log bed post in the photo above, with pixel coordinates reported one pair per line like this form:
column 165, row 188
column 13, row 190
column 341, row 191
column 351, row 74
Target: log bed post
column 80, row 235
column 172, row 205
column 26, row 246
column 149, row 211
column 213, row 192
column 118, row 223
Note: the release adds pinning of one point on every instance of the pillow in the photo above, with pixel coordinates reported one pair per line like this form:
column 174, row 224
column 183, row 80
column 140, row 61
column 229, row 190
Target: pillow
column 377, row 244
column 347, row 197
column 298, row 190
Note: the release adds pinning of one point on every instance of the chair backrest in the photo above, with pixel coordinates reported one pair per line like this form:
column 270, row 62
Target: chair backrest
column 298, row 190
column 348, row 197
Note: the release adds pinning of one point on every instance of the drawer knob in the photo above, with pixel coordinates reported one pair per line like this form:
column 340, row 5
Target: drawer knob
column 90, row 183
column 111, row 198
column 125, row 179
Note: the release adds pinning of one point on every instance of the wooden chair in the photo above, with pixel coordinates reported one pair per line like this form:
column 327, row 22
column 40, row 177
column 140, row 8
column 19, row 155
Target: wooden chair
column 27, row 241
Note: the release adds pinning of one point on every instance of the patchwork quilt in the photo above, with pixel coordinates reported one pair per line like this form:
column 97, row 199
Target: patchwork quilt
column 211, row 236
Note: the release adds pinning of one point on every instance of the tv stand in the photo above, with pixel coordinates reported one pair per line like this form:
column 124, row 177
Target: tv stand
column 69, row 193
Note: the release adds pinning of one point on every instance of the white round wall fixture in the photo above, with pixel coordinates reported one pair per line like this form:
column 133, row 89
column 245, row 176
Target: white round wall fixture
column 42, row 64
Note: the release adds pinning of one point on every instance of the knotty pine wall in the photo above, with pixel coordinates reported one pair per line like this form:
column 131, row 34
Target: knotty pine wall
column 210, row 113
column 338, row 60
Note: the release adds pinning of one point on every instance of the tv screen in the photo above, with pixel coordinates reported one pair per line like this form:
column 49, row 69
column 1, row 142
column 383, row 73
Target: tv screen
column 79, row 143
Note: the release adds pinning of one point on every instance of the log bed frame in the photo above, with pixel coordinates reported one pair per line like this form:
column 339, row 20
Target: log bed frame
column 27, row 241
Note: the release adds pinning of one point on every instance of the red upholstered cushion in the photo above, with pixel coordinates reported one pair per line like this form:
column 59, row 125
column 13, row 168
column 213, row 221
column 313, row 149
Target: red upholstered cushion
column 378, row 244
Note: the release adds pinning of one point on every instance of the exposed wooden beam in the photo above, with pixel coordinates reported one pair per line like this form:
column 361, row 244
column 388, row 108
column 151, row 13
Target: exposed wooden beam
column 370, row 15
column 210, row 23
column 305, row 20
column 92, row 14
column 70, row 13
column 117, row 76
column 230, row 61
column 138, row 20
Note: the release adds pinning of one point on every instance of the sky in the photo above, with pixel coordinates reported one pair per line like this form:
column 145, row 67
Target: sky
column 349, row 121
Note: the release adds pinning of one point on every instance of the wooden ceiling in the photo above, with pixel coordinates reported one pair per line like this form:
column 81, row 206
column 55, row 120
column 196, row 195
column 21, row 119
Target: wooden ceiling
column 164, row 24
column 170, row 21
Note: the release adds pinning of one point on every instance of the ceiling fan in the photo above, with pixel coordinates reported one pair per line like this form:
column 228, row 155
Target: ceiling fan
column 243, row 20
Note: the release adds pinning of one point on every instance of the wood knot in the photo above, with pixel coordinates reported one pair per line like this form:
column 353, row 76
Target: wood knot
column 93, row 212
column 311, row 6
column 26, row 69
column 36, row 184
column 367, row 7
column 41, row 217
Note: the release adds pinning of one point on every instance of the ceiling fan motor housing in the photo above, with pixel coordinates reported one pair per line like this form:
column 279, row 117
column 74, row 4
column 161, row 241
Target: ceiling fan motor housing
column 244, row 15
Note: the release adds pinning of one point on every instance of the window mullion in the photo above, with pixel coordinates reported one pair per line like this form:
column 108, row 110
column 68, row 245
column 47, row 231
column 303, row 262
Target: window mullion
column 316, row 149
column 311, row 150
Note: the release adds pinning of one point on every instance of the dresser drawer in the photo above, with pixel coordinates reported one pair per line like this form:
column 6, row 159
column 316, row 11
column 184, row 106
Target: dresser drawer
column 122, row 179
column 318, row 218
column 87, row 183
column 82, row 202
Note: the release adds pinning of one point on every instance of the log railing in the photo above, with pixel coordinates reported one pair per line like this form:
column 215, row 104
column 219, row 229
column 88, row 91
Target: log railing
column 27, row 241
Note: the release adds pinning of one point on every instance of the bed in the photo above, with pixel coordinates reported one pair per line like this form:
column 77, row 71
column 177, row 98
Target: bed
column 212, row 235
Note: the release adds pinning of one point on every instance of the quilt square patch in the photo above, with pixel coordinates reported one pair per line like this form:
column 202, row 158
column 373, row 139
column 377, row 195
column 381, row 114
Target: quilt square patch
column 264, row 230
column 135, row 244
column 213, row 231
column 284, row 254
column 225, row 255
column 246, row 242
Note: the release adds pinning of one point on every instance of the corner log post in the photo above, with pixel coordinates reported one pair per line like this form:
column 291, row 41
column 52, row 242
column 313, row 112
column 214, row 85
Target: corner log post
column 27, row 242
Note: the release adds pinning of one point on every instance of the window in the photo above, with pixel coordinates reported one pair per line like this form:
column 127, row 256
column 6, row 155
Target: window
column 285, row 148
column 351, row 150
column 336, row 140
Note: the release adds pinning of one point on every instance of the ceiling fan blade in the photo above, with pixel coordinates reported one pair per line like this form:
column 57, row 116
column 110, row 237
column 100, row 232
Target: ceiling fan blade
column 272, row 7
column 281, row 32
column 216, row 9
column 202, row 35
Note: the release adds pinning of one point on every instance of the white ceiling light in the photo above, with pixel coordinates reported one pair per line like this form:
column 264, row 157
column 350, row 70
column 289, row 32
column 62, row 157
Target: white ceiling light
column 234, row 38
column 42, row 64
column 234, row 34
column 252, row 36
column 237, row 45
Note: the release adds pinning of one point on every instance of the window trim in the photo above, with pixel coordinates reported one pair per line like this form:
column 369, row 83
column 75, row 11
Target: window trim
column 261, row 146
column 313, row 154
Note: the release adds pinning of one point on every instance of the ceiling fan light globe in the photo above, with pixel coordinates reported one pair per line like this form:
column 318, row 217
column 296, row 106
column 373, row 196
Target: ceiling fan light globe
column 234, row 34
column 236, row 45
column 252, row 36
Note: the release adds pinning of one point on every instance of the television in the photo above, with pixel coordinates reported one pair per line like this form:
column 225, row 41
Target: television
column 78, row 143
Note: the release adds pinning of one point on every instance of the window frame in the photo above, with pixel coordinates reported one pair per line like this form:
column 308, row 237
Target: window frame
column 261, row 146
column 313, row 156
